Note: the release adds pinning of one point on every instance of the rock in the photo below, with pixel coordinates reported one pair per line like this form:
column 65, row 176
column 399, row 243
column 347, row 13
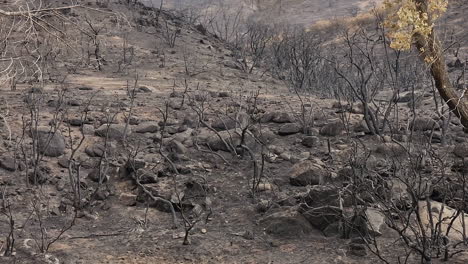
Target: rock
column 87, row 129
column 310, row 141
column 147, row 127
column 113, row 131
column 232, row 137
column 289, row 129
column 263, row 206
column 307, row 173
column 375, row 221
column 230, row 122
column 332, row 129
column 391, row 150
column 144, row 89
column 49, row 143
column 285, row 156
column 133, row 120
column 441, row 211
column 322, row 195
column 55, row 103
column 286, row 224
column 305, row 155
column 263, row 134
column 176, row 94
column 94, row 176
column 176, row 104
column 171, row 130
column 75, row 122
column 197, row 210
column 266, row 118
column 175, row 146
column 74, row 102
column 96, row 150
column 424, row 124
column 461, row 150
column 264, row 187
column 8, row 163
column 280, row 117
column 101, row 195
column 182, row 128
column 133, row 165
column 63, row 162
column 128, row 199
column 146, row 176
column 223, row 94
column 323, row 216
column 185, row 136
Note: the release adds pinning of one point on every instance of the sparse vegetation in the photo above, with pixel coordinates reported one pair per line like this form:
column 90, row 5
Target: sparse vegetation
column 221, row 132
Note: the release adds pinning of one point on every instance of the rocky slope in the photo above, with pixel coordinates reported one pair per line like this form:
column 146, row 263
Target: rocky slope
column 191, row 104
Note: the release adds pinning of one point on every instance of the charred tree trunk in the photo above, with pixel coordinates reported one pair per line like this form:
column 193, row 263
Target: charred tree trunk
column 431, row 52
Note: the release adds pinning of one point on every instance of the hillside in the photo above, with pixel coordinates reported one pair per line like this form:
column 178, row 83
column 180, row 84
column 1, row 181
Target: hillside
column 303, row 12
column 99, row 145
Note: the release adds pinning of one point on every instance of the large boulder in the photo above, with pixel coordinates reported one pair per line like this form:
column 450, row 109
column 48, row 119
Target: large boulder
column 147, row 127
column 307, row 173
column 114, row 131
column 50, row 143
column 264, row 135
column 443, row 216
column 281, row 117
column 323, row 216
column 230, row 122
column 375, row 221
column 310, row 141
column 324, row 195
column 276, row 117
column 145, row 176
column 289, row 129
column 333, row 129
column 287, row 224
column 9, row 163
column 96, row 150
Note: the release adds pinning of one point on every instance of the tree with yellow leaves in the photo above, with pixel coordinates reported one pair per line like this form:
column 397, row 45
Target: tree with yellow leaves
column 411, row 23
